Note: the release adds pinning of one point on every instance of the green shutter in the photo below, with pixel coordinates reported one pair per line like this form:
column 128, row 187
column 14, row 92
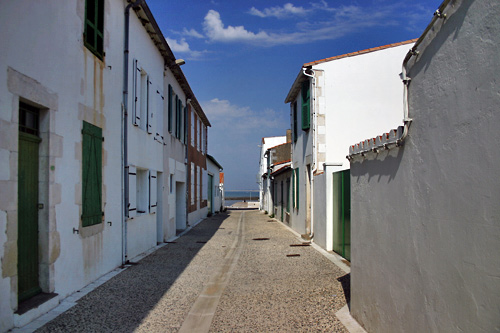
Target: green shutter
column 306, row 105
column 91, row 175
column 170, row 108
column 94, row 26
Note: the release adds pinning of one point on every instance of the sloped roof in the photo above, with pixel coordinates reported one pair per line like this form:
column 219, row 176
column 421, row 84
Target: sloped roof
column 294, row 90
column 211, row 158
column 352, row 54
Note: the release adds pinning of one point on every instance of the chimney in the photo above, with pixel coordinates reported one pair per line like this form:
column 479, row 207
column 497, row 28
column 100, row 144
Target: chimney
column 288, row 135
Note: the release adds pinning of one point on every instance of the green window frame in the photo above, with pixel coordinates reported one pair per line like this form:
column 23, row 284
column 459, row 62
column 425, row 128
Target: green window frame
column 93, row 34
column 91, row 175
column 306, row 105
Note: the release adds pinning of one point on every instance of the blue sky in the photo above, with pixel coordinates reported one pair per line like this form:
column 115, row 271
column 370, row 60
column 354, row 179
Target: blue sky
column 243, row 56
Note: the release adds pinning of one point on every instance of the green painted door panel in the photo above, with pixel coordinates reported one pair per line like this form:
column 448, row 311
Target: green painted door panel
column 342, row 213
column 28, row 282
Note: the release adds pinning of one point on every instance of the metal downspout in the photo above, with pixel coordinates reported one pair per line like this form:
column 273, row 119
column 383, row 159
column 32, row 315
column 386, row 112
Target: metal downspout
column 125, row 131
column 314, row 168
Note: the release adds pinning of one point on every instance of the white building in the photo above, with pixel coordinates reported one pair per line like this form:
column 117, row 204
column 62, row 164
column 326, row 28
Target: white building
column 333, row 101
column 89, row 154
column 425, row 212
column 265, row 198
column 214, row 189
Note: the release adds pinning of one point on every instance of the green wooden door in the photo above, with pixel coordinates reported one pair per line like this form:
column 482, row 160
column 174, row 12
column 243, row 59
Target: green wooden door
column 342, row 213
column 27, row 242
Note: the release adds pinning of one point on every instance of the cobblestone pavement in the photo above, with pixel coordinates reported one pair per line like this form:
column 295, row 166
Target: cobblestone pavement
column 233, row 272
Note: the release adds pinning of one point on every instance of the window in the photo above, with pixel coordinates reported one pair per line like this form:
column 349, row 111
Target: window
column 153, row 187
column 142, row 191
column 185, row 126
column 306, row 105
column 91, row 175
column 295, row 188
column 159, row 115
column 171, row 183
column 29, row 119
column 192, row 180
column 199, row 134
column 142, row 110
column 193, row 121
column 94, row 27
column 294, row 116
column 288, row 195
column 170, row 107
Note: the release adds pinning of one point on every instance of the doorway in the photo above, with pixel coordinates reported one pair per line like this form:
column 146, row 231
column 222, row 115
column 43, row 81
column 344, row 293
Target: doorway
column 210, row 194
column 27, row 239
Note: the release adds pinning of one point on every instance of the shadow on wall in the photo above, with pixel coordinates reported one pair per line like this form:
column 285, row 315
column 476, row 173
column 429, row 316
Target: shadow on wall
column 122, row 303
column 384, row 165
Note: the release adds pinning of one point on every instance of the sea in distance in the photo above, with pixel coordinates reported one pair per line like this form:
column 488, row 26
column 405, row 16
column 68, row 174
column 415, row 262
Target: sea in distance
column 233, row 196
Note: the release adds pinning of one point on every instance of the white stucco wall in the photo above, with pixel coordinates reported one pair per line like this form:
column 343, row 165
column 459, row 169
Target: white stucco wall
column 264, row 185
column 363, row 97
column 214, row 170
column 52, row 69
column 55, row 71
column 425, row 227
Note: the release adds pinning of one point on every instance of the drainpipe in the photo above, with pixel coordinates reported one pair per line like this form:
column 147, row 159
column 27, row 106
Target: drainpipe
column 125, row 195
column 314, row 166
column 186, row 135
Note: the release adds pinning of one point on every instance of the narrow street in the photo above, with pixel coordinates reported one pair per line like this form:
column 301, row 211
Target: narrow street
column 238, row 271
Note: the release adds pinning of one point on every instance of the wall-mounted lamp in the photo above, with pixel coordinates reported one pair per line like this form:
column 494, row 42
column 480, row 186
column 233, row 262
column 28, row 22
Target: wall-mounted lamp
column 180, row 62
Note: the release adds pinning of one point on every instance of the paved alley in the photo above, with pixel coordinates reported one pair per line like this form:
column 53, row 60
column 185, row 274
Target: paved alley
column 238, row 271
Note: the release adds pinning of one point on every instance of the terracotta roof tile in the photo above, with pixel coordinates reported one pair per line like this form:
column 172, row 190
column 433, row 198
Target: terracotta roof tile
column 360, row 52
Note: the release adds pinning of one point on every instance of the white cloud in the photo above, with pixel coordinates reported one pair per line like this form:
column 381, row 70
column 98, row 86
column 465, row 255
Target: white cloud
column 192, row 33
column 183, row 47
column 288, row 9
column 342, row 21
column 240, row 119
column 215, row 30
column 178, row 46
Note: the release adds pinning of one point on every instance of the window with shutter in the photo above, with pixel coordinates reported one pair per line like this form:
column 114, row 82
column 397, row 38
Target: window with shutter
column 170, row 106
column 306, row 105
column 159, row 115
column 153, row 184
column 132, row 191
column 142, row 191
column 94, row 27
column 91, row 175
column 149, row 106
column 176, row 116
column 136, row 105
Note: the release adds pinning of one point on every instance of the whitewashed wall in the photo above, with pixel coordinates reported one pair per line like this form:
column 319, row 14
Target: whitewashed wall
column 360, row 97
column 55, row 71
column 425, row 226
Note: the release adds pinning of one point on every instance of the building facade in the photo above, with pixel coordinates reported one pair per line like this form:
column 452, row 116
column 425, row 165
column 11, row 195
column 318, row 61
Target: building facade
column 93, row 141
column 425, row 211
column 265, row 184
column 330, row 106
